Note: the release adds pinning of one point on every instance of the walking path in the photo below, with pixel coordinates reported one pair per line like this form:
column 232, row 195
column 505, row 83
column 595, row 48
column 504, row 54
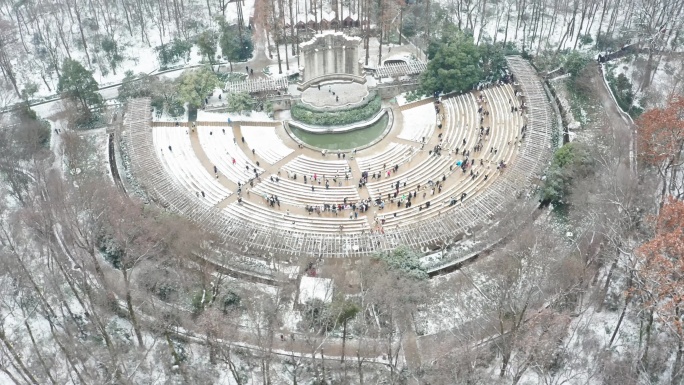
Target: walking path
column 615, row 114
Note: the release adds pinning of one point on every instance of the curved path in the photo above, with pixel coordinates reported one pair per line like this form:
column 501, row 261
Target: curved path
column 615, row 114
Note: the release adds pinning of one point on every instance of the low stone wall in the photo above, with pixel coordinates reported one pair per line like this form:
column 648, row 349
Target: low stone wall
column 337, row 129
column 390, row 90
column 283, row 102
column 331, row 77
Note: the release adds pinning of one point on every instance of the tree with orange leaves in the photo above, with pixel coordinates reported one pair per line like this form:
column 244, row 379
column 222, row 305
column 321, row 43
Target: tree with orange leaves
column 660, row 278
column 660, row 139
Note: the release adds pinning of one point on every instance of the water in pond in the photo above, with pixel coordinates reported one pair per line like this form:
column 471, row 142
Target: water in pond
column 343, row 140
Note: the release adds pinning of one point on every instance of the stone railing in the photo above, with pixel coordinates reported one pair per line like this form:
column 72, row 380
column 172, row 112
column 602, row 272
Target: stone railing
column 331, row 77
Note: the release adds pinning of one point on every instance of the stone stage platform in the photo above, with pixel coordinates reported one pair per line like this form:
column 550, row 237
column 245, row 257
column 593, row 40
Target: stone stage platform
column 346, row 94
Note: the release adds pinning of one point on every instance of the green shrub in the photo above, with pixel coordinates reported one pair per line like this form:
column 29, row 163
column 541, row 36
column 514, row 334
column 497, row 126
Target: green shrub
column 412, row 96
column 309, row 115
column 165, row 291
column 240, row 102
column 110, row 250
column 586, row 39
column 231, row 76
column 199, row 299
column 44, row 133
column 157, row 102
column 575, row 63
column 408, row 27
column 233, row 48
column 405, row 261
column 570, row 162
column 26, row 112
column 622, row 89
column 176, row 108
column 230, row 300
column 86, row 121
column 316, row 316
column 172, row 52
column 511, row 49
column 609, row 43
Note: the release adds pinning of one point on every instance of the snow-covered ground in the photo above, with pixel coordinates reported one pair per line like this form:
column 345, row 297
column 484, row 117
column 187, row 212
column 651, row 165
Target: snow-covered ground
column 137, row 50
column 401, row 99
column 255, row 116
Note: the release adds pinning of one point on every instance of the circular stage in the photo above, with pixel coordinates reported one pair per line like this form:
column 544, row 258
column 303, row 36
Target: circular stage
column 358, row 138
column 335, row 94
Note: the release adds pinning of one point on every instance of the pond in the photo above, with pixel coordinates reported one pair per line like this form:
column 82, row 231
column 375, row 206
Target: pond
column 343, row 140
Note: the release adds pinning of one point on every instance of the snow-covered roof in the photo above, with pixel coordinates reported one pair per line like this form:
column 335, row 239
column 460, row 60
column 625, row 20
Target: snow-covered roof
column 315, row 288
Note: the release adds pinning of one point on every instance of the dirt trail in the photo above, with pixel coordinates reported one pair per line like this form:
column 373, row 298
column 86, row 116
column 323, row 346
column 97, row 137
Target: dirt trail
column 620, row 123
column 260, row 59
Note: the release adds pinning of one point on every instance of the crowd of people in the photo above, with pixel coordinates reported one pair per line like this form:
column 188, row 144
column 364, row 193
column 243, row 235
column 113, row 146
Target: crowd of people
column 403, row 194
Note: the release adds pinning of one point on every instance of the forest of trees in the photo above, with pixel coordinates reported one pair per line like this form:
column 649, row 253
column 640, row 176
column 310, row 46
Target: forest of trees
column 36, row 39
column 101, row 287
column 98, row 287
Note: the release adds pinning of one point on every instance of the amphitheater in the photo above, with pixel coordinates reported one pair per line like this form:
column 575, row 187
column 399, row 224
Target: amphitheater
column 196, row 171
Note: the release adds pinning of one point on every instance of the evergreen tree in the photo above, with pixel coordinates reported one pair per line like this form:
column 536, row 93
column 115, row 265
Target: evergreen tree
column 239, row 102
column 195, row 86
column 111, row 51
column 77, row 83
column 405, row 261
column 206, row 42
column 492, row 60
column 454, row 63
column 458, row 64
column 172, row 52
column 234, row 47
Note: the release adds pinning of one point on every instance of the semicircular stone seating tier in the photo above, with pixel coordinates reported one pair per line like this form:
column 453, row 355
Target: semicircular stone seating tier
column 419, row 123
column 222, row 149
column 473, row 198
column 151, row 175
column 266, row 143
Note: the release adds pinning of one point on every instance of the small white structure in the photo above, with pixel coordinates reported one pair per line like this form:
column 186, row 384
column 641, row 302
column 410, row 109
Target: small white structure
column 315, row 288
column 330, row 53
